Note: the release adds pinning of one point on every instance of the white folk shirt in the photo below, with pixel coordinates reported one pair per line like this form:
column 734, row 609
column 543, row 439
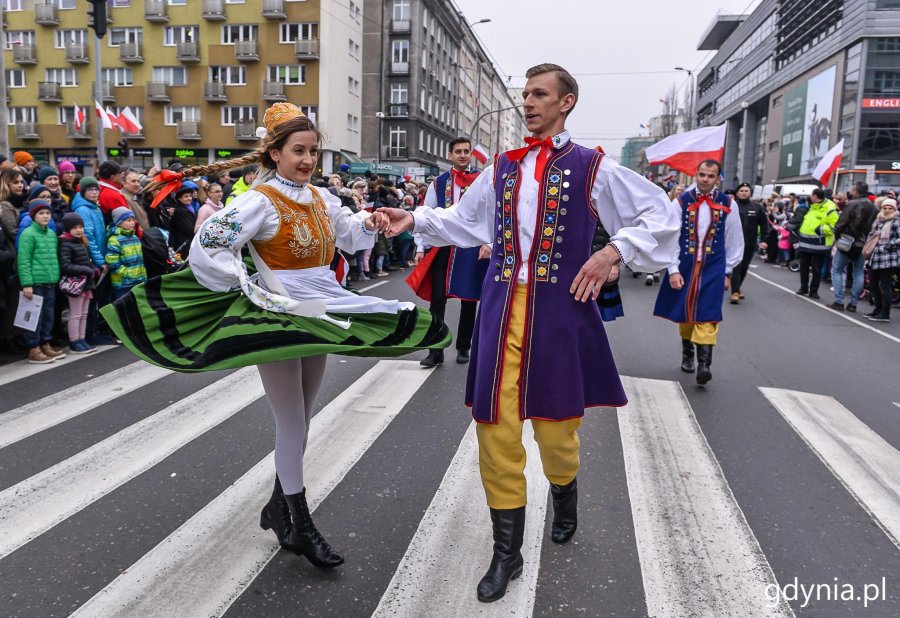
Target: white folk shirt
column 642, row 224
column 734, row 237
column 431, row 201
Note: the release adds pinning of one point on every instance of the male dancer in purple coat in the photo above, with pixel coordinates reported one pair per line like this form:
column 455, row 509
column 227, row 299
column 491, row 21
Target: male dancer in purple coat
column 539, row 351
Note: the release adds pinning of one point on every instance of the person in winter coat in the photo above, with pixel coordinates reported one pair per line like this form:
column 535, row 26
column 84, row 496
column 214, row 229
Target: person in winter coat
column 855, row 221
column 214, row 204
column 86, row 206
column 181, row 221
column 755, row 225
column 7, row 262
column 814, row 228
column 12, row 194
column 39, row 273
column 242, row 185
column 68, row 180
column 124, row 256
column 59, row 203
column 75, row 261
column 885, row 261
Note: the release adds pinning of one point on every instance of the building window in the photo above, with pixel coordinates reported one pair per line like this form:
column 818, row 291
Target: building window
column 12, row 5
column 229, row 75
column 355, row 12
column 65, row 115
column 15, row 78
column 66, row 78
column 239, row 32
column 21, row 115
column 311, row 111
column 120, row 4
column 399, row 94
column 401, row 10
column 353, row 123
column 121, row 76
column 887, row 4
column 400, row 51
column 353, row 86
column 173, row 76
column 176, row 2
column 19, row 37
column 118, row 36
column 173, row 114
column 231, row 114
column 293, row 32
column 64, row 5
column 396, row 142
column 61, row 38
column 288, row 74
column 885, row 83
column 173, row 35
column 353, row 49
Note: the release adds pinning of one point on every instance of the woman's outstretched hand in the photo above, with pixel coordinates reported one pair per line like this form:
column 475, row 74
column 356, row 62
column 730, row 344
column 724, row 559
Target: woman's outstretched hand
column 400, row 221
column 378, row 222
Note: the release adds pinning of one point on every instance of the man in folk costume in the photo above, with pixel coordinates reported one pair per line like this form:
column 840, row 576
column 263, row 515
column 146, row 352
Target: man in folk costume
column 540, row 352
column 453, row 271
column 711, row 245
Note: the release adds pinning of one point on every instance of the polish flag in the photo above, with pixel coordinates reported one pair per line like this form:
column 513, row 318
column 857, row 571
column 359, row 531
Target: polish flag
column 480, row 153
column 113, row 119
column 829, row 163
column 79, row 118
column 103, row 116
column 129, row 122
column 685, row 151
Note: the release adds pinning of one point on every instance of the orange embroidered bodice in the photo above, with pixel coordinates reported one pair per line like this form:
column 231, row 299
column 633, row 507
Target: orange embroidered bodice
column 305, row 236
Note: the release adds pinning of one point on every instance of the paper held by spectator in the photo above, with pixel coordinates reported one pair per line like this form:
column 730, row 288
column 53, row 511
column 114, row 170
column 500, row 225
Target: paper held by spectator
column 28, row 315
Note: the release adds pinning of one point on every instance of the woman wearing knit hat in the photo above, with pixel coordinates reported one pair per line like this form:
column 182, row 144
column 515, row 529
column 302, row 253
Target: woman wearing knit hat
column 124, row 256
column 68, row 180
column 59, row 203
column 75, row 264
column 26, row 165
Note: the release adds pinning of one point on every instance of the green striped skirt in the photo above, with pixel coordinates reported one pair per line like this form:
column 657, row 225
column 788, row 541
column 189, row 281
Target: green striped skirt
column 174, row 322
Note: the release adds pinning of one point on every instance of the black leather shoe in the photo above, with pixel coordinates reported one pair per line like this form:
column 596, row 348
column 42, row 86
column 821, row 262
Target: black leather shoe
column 565, row 511
column 704, row 360
column 276, row 515
column 814, row 295
column 304, row 539
column 507, row 562
column 687, row 356
column 433, row 359
column 462, row 357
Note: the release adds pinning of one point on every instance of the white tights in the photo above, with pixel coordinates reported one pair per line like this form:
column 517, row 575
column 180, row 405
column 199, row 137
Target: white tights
column 291, row 389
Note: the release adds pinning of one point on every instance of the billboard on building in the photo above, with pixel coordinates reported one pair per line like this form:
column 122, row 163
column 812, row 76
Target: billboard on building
column 806, row 130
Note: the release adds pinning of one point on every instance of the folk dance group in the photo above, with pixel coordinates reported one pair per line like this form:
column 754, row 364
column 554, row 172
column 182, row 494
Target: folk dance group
column 530, row 218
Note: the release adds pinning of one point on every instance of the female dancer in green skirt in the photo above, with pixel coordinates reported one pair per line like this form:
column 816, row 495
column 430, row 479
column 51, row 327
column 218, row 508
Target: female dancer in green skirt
column 286, row 317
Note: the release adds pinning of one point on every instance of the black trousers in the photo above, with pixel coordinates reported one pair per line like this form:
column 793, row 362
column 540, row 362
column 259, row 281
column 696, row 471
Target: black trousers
column 739, row 274
column 814, row 261
column 881, row 281
column 439, row 300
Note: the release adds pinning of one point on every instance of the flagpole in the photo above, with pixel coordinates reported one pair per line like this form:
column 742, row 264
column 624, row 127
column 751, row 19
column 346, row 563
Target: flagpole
column 98, row 98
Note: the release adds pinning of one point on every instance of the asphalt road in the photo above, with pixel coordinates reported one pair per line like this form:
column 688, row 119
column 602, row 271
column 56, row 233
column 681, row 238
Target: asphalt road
column 689, row 504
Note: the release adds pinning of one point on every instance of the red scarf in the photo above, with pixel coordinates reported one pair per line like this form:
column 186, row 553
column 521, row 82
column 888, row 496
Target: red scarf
column 546, row 146
column 463, row 179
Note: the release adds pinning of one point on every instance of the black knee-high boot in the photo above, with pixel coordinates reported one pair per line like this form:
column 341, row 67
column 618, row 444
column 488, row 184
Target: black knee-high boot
column 305, row 539
column 276, row 515
column 565, row 511
column 704, row 360
column 687, row 356
column 507, row 562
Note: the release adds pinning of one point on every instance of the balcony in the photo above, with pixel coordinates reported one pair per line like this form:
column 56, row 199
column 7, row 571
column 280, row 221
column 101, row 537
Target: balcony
column 274, row 9
column 158, row 91
column 83, row 133
column 188, row 129
column 155, row 11
column 46, row 14
column 399, row 111
column 24, row 54
column 187, row 51
column 400, row 68
column 306, row 49
column 27, row 130
column 77, row 53
column 107, row 92
column 246, row 51
column 214, row 10
column 399, row 26
column 273, row 91
column 49, row 92
column 131, row 53
column 214, row 92
column 396, row 152
column 245, row 130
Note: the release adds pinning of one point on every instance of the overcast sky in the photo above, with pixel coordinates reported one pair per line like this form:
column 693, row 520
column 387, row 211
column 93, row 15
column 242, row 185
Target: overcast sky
column 602, row 36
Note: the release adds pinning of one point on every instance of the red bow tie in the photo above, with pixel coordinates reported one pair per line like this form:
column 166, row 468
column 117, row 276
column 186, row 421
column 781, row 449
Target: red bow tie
column 546, row 147
column 463, row 179
column 708, row 200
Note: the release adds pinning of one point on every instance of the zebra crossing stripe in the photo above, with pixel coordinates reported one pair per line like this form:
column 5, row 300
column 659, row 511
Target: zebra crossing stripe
column 866, row 464
column 54, row 409
column 30, row 508
column 698, row 555
column 451, row 549
column 176, row 578
column 23, row 369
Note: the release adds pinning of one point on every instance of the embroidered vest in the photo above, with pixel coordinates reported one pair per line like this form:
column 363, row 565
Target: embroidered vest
column 443, row 186
column 305, row 235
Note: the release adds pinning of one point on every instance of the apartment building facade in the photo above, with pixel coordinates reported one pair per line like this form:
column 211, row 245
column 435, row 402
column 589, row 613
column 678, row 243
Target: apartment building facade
column 198, row 74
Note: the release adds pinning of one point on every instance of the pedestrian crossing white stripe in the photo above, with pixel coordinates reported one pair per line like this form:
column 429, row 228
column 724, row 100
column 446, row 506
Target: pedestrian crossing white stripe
column 202, row 567
column 24, row 369
column 698, row 555
column 451, row 550
column 38, row 415
column 867, row 465
column 30, row 508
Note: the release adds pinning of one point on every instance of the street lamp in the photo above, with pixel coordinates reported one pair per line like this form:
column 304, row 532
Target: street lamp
column 690, row 122
column 480, row 21
column 381, row 116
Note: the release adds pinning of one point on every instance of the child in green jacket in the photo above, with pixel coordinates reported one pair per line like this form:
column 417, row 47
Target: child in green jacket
column 124, row 256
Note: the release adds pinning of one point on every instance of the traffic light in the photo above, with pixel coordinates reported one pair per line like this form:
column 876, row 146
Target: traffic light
column 97, row 17
column 123, row 145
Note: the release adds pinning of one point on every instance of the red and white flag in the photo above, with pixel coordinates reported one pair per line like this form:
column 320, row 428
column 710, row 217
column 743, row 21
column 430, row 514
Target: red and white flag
column 128, row 122
column 103, row 116
column 79, row 118
column 480, row 153
column 685, row 151
column 829, row 163
column 113, row 119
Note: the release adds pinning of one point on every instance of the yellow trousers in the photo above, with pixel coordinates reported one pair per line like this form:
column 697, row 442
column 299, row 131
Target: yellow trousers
column 501, row 454
column 703, row 333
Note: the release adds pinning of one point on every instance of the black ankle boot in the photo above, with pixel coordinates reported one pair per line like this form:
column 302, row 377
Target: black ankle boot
column 687, row 356
column 507, row 562
column 704, row 360
column 565, row 511
column 304, row 539
column 276, row 515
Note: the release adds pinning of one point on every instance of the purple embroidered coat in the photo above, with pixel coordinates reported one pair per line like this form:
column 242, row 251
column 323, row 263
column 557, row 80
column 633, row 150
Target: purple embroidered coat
column 567, row 365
